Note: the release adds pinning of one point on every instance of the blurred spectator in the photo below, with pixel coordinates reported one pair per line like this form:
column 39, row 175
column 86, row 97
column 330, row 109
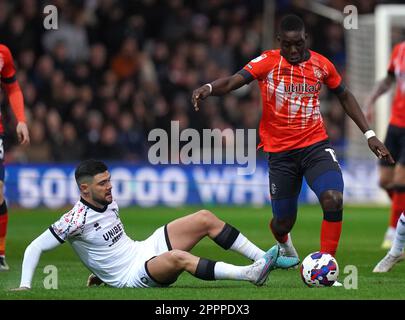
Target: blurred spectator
column 70, row 148
column 92, row 139
column 128, row 61
column 71, row 36
column 109, row 148
column 40, row 149
column 131, row 138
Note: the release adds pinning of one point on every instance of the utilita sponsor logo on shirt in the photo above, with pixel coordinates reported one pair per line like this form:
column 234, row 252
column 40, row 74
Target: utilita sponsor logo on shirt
column 302, row 88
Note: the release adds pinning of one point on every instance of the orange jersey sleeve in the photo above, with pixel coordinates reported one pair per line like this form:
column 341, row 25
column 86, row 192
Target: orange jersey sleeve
column 394, row 54
column 259, row 67
column 6, row 65
column 332, row 78
column 396, row 68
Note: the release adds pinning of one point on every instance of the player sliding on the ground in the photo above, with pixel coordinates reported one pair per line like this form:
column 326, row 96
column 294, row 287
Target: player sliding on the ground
column 96, row 233
column 292, row 130
column 395, row 254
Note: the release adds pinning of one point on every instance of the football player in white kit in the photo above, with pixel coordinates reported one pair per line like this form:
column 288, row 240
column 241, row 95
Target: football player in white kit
column 96, row 233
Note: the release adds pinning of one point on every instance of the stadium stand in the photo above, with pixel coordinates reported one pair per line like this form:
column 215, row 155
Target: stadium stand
column 114, row 70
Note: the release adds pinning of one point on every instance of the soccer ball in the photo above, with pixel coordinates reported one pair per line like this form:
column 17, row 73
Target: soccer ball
column 319, row 269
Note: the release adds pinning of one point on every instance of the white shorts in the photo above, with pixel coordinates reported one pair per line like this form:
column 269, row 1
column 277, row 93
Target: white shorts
column 153, row 246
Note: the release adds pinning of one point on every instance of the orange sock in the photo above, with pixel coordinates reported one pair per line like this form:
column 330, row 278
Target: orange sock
column 398, row 206
column 3, row 227
column 330, row 235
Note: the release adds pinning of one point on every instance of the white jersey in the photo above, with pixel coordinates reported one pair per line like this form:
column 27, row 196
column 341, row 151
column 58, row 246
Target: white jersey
column 99, row 239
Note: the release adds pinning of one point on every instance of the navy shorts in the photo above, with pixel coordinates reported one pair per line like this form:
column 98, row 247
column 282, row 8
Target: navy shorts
column 287, row 169
column 395, row 143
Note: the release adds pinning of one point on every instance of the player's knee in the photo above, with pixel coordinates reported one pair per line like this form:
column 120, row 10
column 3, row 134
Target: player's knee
column 178, row 258
column 205, row 218
column 385, row 183
column 332, row 200
column 282, row 226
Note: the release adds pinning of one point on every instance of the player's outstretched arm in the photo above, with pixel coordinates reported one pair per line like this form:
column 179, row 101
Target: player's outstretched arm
column 10, row 85
column 218, row 87
column 379, row 89
column 46, row 241
column 353, row 110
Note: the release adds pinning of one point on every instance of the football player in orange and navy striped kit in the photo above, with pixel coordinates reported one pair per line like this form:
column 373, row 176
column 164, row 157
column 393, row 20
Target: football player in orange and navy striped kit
column 10, row 85
column 292, row 130
column 392, row 177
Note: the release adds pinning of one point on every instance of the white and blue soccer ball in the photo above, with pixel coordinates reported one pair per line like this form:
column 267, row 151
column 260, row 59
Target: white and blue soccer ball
column 319, row 269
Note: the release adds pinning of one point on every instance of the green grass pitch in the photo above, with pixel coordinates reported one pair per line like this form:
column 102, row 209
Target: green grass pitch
column 362, row 234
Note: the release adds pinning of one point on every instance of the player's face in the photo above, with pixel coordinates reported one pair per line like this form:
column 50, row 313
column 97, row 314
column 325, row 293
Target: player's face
column 100, row 188
column 293, row 46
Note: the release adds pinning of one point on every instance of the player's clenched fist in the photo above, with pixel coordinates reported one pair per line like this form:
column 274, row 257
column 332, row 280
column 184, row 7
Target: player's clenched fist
column 200, row 94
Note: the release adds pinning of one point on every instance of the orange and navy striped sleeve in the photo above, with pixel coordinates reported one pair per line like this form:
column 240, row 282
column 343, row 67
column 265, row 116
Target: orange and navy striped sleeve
column 10, row 84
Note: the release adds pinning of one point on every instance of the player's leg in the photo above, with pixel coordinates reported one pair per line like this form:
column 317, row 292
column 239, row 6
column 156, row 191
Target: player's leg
column 323, row 174
column 387, row 173
column 285, row 180
column 398, row 244
column 332, row 207
column 184, row 233
column 165, row 268
column 386, row 179
column 284, row 217
column 395, row 254
column 398, row 203
column 3, row 218
column 386, row 183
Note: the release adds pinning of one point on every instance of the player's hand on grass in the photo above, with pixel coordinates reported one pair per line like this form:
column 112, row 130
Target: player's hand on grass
column 200, row 94
column 22, row 133
column 20, row 289
column 93, row 280
column 380, row 150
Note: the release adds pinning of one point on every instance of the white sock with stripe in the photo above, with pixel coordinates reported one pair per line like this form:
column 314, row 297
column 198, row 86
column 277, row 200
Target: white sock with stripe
column 245, row 247
column 399, row 240
column 226, row 271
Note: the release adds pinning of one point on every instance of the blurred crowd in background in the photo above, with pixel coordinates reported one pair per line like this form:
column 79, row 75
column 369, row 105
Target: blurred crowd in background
column 114, row 70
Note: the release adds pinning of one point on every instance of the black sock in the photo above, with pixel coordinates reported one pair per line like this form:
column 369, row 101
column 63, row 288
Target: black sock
column 205, row 269
column 227, row 236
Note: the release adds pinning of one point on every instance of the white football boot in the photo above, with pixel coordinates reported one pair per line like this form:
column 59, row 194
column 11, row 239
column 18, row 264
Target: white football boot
column 260, row 270
column 387, row 263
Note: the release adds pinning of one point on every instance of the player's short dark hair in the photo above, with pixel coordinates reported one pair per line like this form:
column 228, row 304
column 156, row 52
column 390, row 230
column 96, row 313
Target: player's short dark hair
column 87, row 169
column 291, row 22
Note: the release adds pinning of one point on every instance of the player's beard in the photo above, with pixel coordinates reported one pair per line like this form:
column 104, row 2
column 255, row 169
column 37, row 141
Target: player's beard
column 102, row 201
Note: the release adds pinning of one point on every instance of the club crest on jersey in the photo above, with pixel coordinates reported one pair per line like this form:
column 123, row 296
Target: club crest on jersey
column 97, row 226
column 318, row 73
